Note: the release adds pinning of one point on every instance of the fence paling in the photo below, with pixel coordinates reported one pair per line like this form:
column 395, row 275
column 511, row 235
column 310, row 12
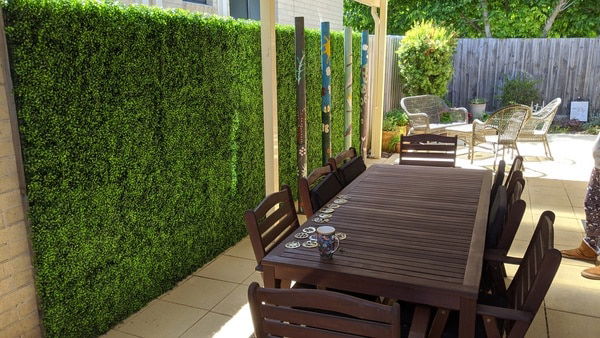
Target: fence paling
column 567, row 68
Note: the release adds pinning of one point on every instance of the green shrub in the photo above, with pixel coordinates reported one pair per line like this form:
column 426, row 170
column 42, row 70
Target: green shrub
column 521, row 89
column 425, row 59
column 394, row 119
column 142, row 136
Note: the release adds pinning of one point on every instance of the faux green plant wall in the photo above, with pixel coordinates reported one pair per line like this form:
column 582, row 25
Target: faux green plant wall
column 143, row 145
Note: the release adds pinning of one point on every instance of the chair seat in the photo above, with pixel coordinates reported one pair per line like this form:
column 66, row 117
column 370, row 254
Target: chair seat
column 461, row 128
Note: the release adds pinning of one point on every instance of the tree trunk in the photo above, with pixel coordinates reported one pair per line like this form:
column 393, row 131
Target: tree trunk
column 561, row 5
column 486, row 19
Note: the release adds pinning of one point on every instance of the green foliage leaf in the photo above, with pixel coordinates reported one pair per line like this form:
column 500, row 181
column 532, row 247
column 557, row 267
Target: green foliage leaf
column 142, row 134
column 425, row 59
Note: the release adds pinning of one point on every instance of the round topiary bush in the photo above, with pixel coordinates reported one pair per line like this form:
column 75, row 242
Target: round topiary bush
column 425, row 59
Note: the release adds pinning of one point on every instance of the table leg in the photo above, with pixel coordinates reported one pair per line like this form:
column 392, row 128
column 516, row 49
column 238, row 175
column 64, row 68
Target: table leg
column 269, row 277
column 468, row 312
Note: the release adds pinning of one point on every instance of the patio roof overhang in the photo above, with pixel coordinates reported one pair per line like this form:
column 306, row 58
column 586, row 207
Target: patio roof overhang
column 269, row 85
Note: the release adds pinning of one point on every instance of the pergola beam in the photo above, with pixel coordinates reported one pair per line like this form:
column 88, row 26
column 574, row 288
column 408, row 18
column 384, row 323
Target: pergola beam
column 269, row 88
column 370, row 3
column 379, row 76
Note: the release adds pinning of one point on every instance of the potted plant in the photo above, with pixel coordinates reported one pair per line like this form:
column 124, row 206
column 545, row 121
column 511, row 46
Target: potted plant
column 477, row 107
column 395, row 123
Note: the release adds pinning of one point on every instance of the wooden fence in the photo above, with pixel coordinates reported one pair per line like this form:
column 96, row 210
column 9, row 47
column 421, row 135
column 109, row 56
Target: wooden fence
column 566, row 68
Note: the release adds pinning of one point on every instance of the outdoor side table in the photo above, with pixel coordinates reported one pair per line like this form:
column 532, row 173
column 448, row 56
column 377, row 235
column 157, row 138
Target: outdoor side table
column 413, row 233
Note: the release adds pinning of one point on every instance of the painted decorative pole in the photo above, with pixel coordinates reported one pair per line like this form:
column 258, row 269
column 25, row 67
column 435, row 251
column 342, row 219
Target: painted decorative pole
column 364, row 89
column 348, row 88
column 326, row 90
column 301, row 144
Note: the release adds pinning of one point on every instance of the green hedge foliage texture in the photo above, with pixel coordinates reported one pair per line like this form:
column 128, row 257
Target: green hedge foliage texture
column 142, row 135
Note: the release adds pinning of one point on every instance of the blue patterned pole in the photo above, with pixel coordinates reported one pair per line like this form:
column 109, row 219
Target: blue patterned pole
column 326, row 90
column 348, row 87
column 364, row 88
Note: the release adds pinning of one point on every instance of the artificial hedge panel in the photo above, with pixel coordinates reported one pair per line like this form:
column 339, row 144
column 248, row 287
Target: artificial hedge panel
column 143, row 144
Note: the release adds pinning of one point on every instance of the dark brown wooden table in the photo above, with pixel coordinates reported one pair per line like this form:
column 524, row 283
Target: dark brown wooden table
column 414, row 233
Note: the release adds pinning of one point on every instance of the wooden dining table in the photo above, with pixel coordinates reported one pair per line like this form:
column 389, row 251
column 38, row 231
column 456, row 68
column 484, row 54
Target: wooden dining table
column 414, row 233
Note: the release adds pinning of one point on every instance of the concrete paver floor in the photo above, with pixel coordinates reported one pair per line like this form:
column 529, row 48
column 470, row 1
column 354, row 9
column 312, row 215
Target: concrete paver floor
column 212, row 301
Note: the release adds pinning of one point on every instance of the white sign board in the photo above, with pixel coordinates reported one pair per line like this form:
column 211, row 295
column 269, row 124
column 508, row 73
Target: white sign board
column 579, row 110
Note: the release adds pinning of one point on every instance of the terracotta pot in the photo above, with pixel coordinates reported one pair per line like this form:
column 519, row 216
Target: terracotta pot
column 388, row 136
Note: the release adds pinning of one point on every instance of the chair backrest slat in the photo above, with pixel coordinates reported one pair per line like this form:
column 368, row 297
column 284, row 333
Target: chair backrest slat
column 516, row 187
column 538, row 267
column 342, row 157
column 273, row 219
column 304, row 187
column 319, row 313
column 428, row 150
column 513, row 220
column 498, row 179
column 326, row 321
column 516, row 166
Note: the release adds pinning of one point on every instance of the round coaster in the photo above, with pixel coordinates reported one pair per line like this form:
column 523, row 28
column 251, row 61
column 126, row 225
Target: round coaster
column 310, row 244
column 340, row 201
column 325, row 216
column 292, row 245
column 344, row 197
column 328, row 210
column 333, row 205
column 309, row 230
column 301, row 235
column 320, row 220
column 341, row 235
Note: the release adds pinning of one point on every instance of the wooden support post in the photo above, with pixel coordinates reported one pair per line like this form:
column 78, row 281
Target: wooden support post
column 364, row 91
column 326, row 91
column 269, row 88
column 348, row 87
column 301, row 145
column 379, row 78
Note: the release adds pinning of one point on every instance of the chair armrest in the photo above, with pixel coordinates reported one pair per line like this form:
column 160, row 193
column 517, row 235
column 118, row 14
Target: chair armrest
column 462, row 110
column 504, row 313
column 498, row 256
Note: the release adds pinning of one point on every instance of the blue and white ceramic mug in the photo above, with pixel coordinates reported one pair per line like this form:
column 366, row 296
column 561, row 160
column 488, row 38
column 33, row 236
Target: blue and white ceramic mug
column 327, row 242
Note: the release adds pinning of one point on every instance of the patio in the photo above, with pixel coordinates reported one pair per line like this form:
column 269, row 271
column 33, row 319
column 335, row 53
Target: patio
column 213, row 300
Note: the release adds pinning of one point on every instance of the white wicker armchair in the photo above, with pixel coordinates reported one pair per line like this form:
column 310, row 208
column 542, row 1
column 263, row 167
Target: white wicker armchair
column 424, row 113
column 536, row 127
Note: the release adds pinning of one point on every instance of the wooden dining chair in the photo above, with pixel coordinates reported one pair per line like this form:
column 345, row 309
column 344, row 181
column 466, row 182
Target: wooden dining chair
column 271, row 222
column 498, row 179
column 496, row 218
column 517, row 165
column 428, row 150
column 508, row 312
column 347, row 165
column 304, row 187
column 322, row 313
column 514, row 188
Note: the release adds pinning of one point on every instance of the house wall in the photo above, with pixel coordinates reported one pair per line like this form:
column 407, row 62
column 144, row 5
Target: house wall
column 313, row 12
column 19, row 316
column 210, row 7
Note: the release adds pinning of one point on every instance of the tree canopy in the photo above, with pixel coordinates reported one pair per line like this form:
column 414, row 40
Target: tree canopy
column 506, row 19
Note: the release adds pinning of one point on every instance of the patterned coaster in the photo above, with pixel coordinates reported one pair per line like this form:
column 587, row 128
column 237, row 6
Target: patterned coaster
column 341, row 235
column 309, row 230
column 310, row 244
column 340, row 201
column 327, row 210
column 325, row 216
column 301, row 235
column 320, row 220
column 292, row 245
column 344, row 197
column 333, row 205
